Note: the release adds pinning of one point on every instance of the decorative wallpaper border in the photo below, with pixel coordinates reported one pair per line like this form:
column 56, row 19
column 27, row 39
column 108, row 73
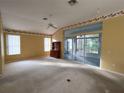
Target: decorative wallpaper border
column 90, row 21
column 21, row 32
column 94, row 20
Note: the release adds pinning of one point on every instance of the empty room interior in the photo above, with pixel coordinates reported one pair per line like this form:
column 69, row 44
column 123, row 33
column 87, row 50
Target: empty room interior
column 61, row 46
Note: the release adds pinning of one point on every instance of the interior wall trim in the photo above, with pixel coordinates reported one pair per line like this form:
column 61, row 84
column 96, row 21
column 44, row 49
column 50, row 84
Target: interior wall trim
column 11, row 31
column 93, row 20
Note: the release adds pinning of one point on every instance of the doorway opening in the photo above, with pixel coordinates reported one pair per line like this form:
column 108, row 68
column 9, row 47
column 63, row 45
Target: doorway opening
column 84, row 49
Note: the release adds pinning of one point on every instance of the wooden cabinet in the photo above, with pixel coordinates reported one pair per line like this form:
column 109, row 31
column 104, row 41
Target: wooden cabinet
column 56, row 50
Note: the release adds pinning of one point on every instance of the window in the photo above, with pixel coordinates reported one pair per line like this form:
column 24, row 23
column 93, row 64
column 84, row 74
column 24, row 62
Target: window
column 13, row 44
column 47, row 44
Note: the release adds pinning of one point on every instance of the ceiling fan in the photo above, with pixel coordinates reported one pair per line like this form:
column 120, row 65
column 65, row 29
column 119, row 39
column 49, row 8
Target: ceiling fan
column 50, row 24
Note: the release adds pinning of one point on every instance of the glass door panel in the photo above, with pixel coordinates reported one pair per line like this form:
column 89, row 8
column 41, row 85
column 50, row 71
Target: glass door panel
column 92, row 46
column 68, row 49
column 80, row 50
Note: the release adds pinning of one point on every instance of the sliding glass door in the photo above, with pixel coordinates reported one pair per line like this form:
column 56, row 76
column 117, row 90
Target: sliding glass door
column 84, row 49
column 68, row 48
column 92, row 49
column 80, row 53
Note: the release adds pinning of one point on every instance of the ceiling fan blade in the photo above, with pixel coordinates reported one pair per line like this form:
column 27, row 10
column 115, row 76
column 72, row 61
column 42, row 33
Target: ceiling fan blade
column 48, row 27
column 54, row 27
column 51, row 25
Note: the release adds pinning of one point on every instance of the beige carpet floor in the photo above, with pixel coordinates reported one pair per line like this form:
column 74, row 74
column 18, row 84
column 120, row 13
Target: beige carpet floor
column 49, row 75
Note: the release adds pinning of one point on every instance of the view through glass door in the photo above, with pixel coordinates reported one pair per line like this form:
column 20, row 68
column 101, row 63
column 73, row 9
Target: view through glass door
column 84, row 49
column 68, row 48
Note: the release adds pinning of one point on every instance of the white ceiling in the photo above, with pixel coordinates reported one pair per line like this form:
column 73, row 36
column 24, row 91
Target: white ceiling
column 27, row 14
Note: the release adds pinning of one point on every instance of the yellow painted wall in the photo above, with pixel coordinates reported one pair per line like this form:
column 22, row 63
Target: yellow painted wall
column 112, row 56
column 1, row 47
column 59, row 36
column 31, row 46
column 113, row 44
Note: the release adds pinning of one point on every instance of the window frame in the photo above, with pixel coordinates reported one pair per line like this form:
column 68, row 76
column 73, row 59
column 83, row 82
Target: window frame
column 7, row 45
column 49, row 44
